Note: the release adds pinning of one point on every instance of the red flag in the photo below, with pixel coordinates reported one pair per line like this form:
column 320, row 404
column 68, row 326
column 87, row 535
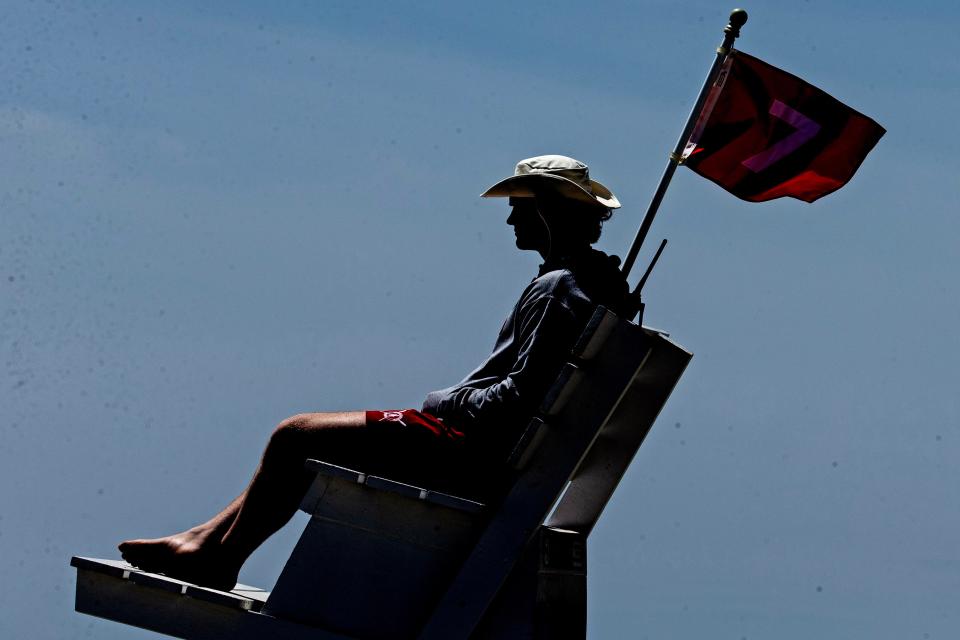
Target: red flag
column 764, row 133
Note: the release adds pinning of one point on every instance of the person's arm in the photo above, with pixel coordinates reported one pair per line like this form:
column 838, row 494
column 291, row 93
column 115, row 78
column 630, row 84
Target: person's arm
column 546, row 332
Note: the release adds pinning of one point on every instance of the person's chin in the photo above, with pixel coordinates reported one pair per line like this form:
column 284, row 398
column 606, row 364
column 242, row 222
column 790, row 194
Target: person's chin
column 523, row 242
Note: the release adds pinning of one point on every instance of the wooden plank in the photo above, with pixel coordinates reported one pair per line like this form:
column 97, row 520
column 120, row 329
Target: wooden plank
column 326, row 470
column 102, row 591
column 241, row 597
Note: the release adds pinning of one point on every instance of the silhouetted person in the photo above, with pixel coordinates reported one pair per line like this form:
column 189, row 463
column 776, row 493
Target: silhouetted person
column 460, row 440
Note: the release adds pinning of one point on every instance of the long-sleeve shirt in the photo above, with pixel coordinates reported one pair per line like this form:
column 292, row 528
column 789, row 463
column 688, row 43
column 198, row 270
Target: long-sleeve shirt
column 496, row 400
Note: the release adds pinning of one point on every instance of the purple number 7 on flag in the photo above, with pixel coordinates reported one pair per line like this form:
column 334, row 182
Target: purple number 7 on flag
column 765, row 133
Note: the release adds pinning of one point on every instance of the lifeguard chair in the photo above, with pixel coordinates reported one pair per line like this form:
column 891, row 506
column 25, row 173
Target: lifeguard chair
column 381, row 560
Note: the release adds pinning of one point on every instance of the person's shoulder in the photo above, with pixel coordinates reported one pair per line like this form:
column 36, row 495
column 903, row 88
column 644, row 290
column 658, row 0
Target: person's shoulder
column 558, row 287
column 551, row 284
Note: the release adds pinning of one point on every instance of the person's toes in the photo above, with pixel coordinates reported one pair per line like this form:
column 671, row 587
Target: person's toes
column 130, row 546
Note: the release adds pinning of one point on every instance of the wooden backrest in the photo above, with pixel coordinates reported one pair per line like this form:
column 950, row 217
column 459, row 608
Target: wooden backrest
column 619, row 438
column 608, row 396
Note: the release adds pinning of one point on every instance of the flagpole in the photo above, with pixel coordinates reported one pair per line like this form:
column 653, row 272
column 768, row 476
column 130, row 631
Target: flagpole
column 738, row 17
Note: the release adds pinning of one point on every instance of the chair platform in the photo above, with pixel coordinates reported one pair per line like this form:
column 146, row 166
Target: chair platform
column 118, row 591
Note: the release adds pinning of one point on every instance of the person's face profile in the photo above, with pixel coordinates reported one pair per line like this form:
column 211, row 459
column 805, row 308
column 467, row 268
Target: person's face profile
column 528, row 227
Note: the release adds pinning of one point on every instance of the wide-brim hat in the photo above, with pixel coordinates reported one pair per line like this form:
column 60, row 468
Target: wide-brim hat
column 560, row 174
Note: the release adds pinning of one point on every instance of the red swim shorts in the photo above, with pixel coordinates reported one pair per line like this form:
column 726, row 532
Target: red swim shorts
column 415, row 422
column 424, row 451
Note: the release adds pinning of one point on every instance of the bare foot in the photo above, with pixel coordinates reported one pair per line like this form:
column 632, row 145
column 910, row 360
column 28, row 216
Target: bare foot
column 193, row 556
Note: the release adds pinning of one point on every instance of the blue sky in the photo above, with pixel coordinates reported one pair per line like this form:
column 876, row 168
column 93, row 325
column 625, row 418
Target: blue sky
column 213, row 216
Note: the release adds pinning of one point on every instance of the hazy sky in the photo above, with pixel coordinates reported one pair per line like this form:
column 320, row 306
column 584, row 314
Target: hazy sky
column 216, row 215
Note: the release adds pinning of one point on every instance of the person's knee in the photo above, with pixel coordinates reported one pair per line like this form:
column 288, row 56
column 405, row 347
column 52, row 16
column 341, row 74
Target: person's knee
column 293, row 423
column 287, row 436
column 315, row 434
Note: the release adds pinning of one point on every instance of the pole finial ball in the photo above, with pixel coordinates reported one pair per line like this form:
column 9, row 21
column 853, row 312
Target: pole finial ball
column 738, row 18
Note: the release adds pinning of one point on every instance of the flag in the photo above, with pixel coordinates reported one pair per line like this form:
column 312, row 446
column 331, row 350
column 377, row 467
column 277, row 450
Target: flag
column 764, row 133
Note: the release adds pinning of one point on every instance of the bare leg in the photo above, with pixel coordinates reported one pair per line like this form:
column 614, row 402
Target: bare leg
column 212, row 553
column 279, row 483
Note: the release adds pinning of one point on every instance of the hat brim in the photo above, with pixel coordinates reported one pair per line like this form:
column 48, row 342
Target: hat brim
column 529, row 185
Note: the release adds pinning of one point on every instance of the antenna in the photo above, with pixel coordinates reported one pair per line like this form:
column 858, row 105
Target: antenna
column 635, row 305
column 653, row 263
